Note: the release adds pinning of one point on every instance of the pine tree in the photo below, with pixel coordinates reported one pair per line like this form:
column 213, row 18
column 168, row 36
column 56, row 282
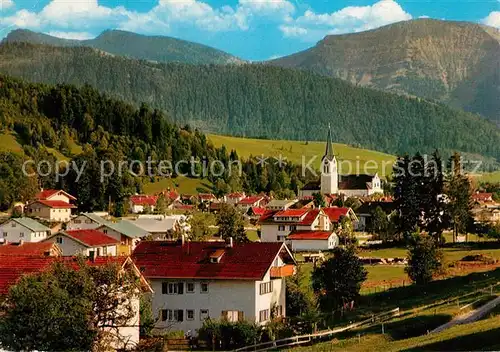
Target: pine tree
column 435, row 208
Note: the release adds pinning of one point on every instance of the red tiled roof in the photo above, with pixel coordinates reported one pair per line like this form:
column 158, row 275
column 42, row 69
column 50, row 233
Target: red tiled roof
column 310, row 217
column 250, row 200
column 291, row 212
column 335, row 213
column 184, row 206
column 91, row 238
column 55, row 204
column 173, row 195
column 167, row 259
column 309, row 235
column 144, row 200
column 27, row 248
column 258, row 211
column 43, row 195
column 13, row 267
column 482, row 196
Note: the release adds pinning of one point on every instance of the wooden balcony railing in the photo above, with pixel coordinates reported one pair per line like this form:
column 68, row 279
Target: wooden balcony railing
column 282, row 271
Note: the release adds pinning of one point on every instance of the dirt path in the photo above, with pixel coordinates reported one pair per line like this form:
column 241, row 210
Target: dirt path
column 471, row 316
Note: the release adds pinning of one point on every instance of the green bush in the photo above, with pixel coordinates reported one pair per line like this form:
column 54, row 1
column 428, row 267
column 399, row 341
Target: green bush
column 225, row 335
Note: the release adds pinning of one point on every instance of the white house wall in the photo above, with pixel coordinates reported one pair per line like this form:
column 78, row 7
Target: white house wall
column 14, row 233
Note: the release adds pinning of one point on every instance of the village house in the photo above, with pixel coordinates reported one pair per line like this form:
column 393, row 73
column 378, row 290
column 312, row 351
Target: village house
column 195, row 281
column 158, row 227
column 482, row 197
column 234, row 198
column 366, row 210
column 140, row 203
column 331, row 183
column 278, row 204
column 206, row 197
column 255, row 213
column 42, row 249
column 335, row 214
column 55, row 194
column 305, row 241
column 23, row 229
column 52, row 205
column 171, row 196
column 126, row 233
column 277, row 225
column 90, row 243
column 12, row 268
column 251, row 202
column 86, row 221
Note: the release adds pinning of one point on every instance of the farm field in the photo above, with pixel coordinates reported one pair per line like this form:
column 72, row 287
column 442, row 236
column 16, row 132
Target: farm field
column 294, row 151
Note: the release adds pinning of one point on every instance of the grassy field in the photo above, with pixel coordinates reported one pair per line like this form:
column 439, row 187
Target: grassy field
column 9, row 143
column 294, row 151
column 183, row 185
column 492, row 177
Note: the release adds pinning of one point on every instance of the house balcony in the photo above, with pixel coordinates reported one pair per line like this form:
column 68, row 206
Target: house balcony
column 282, row 271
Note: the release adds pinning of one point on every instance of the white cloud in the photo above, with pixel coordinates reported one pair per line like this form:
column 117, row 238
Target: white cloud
column 423, row 16
column 349, row 19
column 493, row 19
column 6, row 4
column 71, row 35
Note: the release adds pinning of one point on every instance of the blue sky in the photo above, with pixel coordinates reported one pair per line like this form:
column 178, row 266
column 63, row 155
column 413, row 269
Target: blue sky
column 250, row 29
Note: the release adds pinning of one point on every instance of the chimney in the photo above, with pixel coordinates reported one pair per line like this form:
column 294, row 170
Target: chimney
column 230, row 244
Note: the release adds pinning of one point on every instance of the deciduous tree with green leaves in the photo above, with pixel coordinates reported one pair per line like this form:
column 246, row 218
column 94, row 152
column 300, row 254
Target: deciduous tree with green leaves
column 230, row 223
column 337, row 281
column 424, row 258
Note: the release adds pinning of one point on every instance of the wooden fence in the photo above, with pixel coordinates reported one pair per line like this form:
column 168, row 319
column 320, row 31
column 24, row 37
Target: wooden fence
column 304, row 339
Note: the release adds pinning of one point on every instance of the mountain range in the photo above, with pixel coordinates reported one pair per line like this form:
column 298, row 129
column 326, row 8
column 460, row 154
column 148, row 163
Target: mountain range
column 261, row 100
column 457, row 63
column 153, row 48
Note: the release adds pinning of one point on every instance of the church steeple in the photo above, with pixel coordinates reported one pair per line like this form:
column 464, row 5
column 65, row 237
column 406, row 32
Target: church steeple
column 329, row 154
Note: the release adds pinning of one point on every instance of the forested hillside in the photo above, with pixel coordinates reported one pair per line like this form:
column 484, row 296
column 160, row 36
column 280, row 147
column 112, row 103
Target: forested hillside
column 262, row 101
column 154, row 48
column 110, row 130
column 454, row 62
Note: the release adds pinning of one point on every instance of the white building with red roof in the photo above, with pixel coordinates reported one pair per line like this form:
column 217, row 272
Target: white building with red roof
column 195, row 281
column 234, row 198
column 251, row 202
column 90, row 243
column 52, row 205
column 139, row 203
column 307, row 241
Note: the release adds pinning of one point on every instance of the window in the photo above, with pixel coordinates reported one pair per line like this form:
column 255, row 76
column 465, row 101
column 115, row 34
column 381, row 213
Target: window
column 105, row 231
column 14, row 224
column 164, row 288
column 189, row 314
column 59, row 240
column 77, row 221
column 232, row 315
column 164, row 314
column 5, row 234
column 104, row 251
column 88, row 221
column 266, row 287
column 176, row 288
column 204, row 314
column 179, row 315
column 21, row 234
column 264, row 315
column 281, row 228
column 204, row 287
column 190, row 287
column 293, row 227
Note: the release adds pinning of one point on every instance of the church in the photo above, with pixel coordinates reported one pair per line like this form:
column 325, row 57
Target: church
column 357, row 185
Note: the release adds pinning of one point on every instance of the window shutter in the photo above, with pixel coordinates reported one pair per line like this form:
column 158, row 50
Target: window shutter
column 241, row 316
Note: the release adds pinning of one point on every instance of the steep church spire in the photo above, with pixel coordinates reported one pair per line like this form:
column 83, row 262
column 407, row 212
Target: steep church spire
column 329, row 154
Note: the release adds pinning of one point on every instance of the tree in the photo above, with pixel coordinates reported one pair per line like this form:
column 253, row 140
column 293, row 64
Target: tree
column 459, row 193
column 230, row 223
column 406, row 197
column 435, row 207
column 347, row 231
column 68, row 308
column 300, row 299
column 161, row 205
column 319, row 201
column 379, row 223
column 424, row 259
column 200, row 230
column 337, row 281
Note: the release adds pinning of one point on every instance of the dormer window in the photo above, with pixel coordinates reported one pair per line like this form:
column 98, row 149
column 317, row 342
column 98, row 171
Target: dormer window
column 216, row 256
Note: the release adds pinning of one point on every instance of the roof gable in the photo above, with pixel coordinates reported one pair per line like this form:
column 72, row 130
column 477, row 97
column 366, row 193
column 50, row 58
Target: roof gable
column 89, row 238
column 31, row 224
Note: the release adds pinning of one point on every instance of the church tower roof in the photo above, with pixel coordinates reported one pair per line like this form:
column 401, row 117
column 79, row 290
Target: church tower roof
column 329, row 153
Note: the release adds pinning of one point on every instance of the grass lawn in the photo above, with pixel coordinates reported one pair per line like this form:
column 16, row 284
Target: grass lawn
column 295, row 150
column 183, row 185
column 489, row 177
column 252, row 235
column 9, row 143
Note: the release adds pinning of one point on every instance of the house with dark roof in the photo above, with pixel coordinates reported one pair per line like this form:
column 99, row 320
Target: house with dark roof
column 366, row 210
column 333, row 183
column 195, row 281
column 23, row 229
column 89, row 243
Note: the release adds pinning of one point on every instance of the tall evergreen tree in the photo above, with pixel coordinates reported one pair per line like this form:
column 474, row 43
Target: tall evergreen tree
column 435, row 208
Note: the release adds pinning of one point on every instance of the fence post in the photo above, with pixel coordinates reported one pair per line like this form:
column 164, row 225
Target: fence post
column 383, row 332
